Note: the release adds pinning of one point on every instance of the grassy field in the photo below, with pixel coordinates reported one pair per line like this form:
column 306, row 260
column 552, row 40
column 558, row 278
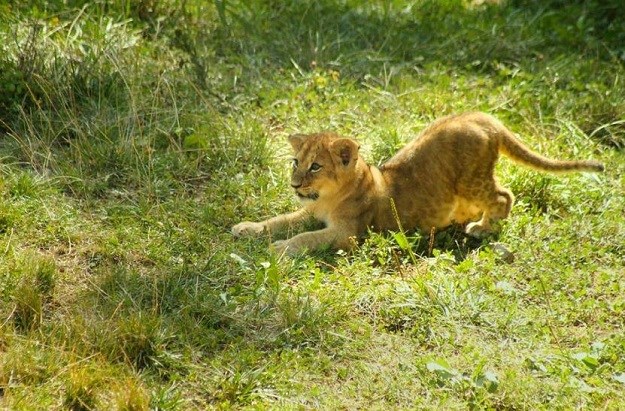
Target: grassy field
column 134, row 134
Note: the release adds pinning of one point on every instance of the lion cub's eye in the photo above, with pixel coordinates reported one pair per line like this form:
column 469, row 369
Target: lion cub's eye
column 314, row 167
column 295, row 163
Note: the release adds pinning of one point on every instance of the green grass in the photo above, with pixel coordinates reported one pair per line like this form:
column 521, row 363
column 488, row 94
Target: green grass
column 135, row 134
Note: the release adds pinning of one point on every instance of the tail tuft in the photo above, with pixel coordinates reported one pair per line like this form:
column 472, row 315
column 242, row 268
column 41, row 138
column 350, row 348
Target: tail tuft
column 594, row 165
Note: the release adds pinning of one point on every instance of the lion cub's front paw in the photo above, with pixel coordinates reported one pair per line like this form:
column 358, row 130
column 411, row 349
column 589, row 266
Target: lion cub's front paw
column 478, row 230
column 247, row 228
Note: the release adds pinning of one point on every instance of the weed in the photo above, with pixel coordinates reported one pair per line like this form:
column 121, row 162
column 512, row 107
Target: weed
column 81, row 389
column 28, row 308
column 131, row 395
column 35, row 280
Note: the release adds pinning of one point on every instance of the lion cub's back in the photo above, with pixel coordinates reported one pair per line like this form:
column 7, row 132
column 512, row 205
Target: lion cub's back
column 452, row 144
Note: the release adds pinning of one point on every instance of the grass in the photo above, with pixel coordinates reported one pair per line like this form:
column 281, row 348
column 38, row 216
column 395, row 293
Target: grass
column 135, row 134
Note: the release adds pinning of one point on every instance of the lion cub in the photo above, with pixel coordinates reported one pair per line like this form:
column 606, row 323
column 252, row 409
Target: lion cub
column 444, row 176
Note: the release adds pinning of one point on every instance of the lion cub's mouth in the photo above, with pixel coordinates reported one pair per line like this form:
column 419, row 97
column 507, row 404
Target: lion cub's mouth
column 310, row 196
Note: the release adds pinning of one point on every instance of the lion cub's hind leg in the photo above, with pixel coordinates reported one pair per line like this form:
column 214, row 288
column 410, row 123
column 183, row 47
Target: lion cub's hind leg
column 495, row 203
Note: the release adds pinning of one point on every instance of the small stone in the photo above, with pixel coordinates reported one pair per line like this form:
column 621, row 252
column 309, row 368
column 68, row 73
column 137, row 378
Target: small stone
column 503, row 253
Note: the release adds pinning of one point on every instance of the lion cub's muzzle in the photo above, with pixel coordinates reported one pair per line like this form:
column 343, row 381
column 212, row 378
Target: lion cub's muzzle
column 312, row 195
column 302, row 190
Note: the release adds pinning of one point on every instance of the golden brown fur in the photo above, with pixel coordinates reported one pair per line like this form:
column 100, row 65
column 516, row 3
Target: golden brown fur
column 443, row 176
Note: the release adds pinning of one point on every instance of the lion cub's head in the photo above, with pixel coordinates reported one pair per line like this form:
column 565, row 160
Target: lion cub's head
column 322, row 164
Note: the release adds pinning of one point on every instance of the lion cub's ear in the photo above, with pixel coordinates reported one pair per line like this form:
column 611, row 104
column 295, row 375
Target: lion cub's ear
column 346, row 149
column 297, row 140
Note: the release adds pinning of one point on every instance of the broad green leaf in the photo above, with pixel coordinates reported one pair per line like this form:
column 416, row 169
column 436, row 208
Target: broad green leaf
column 402, row 240
column 442, row 368
column 488, row 380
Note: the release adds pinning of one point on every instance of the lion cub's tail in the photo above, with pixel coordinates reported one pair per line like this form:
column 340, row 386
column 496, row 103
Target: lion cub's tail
column 510, row 146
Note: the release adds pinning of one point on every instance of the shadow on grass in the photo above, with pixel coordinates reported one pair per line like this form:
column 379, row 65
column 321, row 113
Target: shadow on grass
column 383, row 250
column 543, row 41
column 455, row 241
column 366, row 36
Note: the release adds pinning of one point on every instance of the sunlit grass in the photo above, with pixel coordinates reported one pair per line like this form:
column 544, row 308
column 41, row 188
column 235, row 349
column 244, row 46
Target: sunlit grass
column 135, row 134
